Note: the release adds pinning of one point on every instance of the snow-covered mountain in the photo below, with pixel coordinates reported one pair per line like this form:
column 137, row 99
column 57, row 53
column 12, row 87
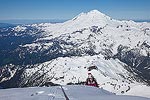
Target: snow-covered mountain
column 98, row 29
column 61, row 53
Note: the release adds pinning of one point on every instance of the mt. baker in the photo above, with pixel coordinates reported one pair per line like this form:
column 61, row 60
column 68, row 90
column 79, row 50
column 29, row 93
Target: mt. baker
column 61, row 53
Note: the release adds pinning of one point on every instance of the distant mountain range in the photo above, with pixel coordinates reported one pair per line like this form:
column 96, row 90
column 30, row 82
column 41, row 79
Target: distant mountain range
column 5, row 25
column 31, row 21
column 48, row 54
column 38, row 21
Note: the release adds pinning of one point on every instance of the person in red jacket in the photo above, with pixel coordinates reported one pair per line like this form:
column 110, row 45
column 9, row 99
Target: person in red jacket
column 91, row 81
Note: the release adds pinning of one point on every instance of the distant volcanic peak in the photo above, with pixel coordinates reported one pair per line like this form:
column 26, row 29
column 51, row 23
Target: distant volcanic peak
column 95, row 14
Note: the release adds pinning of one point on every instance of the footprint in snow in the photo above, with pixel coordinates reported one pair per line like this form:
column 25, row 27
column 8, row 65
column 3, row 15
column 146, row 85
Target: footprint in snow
column 39, row 92
column 51, row 94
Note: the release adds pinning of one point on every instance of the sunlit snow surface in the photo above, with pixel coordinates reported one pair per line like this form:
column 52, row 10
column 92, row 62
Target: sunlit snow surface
column 111, row 33
column 55, row 93
column 111, row 74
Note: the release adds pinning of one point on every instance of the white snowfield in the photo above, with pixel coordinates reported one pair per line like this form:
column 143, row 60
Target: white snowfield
column 110, row 74
column 92, row 29
column 56, row 93
column 139, row 90
column 108, row 32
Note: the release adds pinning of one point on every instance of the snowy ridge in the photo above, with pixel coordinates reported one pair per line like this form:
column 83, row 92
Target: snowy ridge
column 110, row 74
column 19, row 28
column 83, row 20
column 62, row 53
column 92, row 16
column 75, row 69
column 99, row 29
column 55, row 93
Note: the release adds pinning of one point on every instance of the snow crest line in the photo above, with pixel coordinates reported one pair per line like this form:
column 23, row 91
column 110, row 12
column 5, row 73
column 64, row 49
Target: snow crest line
column 64, row 93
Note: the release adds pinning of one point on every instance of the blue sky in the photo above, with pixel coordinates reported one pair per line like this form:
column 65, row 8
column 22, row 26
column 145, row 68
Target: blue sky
column 67, row 9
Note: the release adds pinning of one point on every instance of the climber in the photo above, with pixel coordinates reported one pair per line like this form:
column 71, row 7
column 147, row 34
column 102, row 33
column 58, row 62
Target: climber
column 91, row 81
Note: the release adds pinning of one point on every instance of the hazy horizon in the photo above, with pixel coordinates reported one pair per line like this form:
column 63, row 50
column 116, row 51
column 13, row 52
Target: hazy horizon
column 32, row 21
column 67, row 9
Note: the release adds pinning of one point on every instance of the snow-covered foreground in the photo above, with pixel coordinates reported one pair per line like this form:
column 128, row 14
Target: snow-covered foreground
column 56, row 93
column 136, row 91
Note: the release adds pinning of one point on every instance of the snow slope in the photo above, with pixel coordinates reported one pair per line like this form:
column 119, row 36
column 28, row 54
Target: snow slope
column 104, row 30
column 139, row 90
column 75, row 69
column 89, row 39
column 56, row 93
column 110, row 74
